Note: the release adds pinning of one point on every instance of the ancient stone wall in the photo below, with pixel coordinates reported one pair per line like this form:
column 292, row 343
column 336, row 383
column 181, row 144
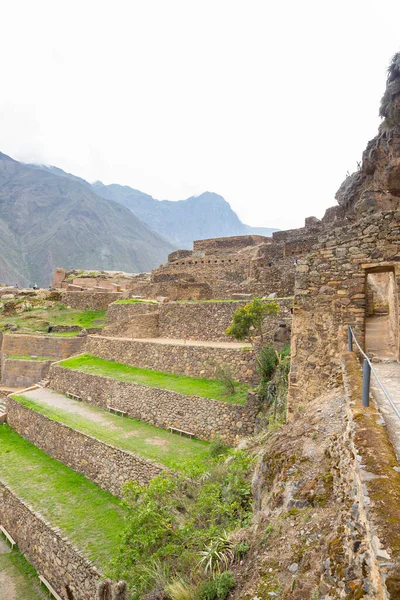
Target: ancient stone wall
column 231, row 244
column 89, row 300
column 173, row 289
column 46, row 548
column 16, row 373
column 120, row 313
column 203, row 417
column 209, row 320
column 42, row 345
column 107, row 466
column 138, row 327
column 184, row 359
column 331, row 294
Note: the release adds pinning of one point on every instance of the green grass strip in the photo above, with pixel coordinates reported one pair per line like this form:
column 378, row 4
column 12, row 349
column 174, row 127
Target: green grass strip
column 148, row 441
column 15, row 568
column 191, row 386
column 92, row 518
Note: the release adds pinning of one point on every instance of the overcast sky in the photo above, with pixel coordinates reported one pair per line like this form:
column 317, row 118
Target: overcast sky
column 267, row 103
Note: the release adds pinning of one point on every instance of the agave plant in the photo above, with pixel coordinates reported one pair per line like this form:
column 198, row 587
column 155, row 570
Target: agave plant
column 218, row 554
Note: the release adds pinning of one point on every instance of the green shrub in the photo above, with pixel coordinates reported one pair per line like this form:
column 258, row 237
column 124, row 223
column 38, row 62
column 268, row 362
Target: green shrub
column 267, row 360
column 175, row 520
column 223, row 373
column 225, row 582
column 217, row 447
column 248, row 320
column 241, row 550
column 216, row 589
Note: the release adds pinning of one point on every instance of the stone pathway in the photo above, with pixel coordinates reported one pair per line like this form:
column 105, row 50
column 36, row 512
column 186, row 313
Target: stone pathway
column 14, row 584
column 51, row 398
column 389, row 374
column 179, row 342
column 388, row 370
column 377, row 338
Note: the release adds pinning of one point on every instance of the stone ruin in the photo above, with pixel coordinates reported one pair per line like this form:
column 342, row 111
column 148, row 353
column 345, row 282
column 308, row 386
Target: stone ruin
column 219, row 268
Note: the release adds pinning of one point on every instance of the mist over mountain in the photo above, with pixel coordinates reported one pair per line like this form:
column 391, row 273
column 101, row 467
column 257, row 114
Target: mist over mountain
column 49, row 218
column 183, row 221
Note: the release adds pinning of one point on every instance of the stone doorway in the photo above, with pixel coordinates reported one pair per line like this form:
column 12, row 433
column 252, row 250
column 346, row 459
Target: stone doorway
column 381, row 315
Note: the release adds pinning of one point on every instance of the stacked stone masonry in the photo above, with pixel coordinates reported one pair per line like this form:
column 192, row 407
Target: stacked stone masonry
column 52, row 555
column 203, row 417
column 182, row 359
column 16, row 373
column 205, row 321
column 90, row 300
column 331, row 294
column 107, row 466
column 42, row 345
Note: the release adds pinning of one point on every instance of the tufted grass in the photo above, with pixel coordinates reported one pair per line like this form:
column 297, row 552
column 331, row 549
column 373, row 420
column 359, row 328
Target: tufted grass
column 144, row 439
column 191, row 386
column 92, row 518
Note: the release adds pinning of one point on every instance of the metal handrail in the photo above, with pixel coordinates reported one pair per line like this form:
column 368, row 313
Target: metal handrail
column 368, row 367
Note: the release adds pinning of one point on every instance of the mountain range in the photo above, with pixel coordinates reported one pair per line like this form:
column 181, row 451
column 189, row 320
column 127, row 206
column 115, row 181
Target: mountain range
column 50, row 218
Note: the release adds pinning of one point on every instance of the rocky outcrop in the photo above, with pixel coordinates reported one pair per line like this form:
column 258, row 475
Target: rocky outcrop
column 376, row 185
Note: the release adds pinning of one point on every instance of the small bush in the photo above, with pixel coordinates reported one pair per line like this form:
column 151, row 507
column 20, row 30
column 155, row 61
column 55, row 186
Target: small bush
column 224, row 374
column 248, row 320
column 217, row 447
column 224, row 582
column 216, row 589
column 266, row 362
column 241, row 550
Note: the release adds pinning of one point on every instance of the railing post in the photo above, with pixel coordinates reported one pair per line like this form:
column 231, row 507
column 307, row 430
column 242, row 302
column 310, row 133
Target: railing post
column 350, row 338
column 365, row 383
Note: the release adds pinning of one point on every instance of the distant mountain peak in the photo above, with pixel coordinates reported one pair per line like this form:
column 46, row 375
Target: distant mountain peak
column 6, row 157
column 205, row 215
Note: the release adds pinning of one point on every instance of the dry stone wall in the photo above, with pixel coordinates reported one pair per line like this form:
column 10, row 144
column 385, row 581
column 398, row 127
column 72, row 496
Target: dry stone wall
column 331, row 294
column 107, row 466
column 139, row 327
column 42, row 345
column 183, row 359
column 209, row 320
column 90, row 300
column 203, row 417
column 120, row 313
column 52, row 555
column 18, row 373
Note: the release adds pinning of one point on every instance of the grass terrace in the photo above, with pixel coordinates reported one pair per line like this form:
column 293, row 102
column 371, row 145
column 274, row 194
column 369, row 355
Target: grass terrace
column 148, row 441
column 38, row 320
column 92, row 518
column 191, row 386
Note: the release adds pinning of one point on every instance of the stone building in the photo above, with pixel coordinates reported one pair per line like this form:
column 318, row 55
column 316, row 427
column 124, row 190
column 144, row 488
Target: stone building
column 337, row 282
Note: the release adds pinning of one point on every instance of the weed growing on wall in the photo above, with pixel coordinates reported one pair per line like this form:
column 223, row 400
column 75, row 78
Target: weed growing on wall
column 273, row 368
column 179, row 530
